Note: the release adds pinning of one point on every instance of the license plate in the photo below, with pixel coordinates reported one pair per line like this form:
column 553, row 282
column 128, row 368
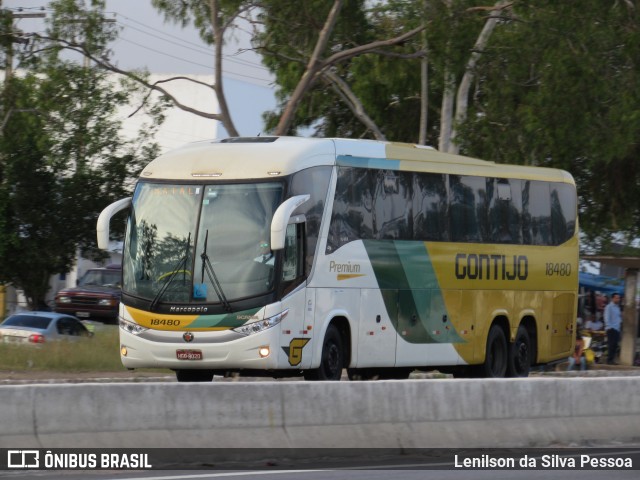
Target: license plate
column 189, row 354
column 82, row 314
column 14, row 339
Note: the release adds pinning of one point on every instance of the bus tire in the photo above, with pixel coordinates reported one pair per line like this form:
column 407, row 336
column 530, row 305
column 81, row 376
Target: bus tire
column 520, row 354
column 497, row 354
column 194, row 375
column 332, row 360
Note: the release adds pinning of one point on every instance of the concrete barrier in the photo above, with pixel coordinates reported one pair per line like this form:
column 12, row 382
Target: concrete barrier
column 385, row 414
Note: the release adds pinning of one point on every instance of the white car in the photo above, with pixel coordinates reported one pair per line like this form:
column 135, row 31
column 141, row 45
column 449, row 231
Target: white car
column 40, row 327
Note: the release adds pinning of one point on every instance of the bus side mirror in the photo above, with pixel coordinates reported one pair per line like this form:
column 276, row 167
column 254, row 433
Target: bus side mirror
column 281, row 219
column 102, row 227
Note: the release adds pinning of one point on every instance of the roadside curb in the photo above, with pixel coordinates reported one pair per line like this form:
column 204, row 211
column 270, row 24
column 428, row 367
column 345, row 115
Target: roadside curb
column 53, row 381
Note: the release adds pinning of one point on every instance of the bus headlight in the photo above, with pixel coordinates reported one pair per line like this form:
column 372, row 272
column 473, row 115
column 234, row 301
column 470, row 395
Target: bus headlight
column 261, row 325
column 132, row 328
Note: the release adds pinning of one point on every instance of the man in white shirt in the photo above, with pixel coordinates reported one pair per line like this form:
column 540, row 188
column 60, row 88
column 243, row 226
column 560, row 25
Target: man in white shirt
column 612, row 324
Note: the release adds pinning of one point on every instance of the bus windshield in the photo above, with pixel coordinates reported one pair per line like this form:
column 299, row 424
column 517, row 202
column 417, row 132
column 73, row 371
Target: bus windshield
column 200, row 243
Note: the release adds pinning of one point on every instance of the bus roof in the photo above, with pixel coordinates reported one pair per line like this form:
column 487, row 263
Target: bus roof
column 269, row 157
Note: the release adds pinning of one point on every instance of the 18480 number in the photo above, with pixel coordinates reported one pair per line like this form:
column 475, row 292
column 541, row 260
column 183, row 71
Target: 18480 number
column 558, row 269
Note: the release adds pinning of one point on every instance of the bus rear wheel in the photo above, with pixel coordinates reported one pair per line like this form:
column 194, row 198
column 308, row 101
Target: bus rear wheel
column 194, row 375
column 497, row 354
column 332, row 360
column 520, row 354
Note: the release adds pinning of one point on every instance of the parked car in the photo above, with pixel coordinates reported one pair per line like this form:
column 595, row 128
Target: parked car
column 41, row 327
column 97, row 295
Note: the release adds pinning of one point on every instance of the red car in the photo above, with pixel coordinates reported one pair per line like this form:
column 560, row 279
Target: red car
column 97, row 295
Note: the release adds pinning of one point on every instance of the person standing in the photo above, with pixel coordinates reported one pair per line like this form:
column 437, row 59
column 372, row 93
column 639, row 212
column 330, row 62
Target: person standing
column 612, row 324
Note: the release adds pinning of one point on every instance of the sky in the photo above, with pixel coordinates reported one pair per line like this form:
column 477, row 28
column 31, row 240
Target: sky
column 146, row 41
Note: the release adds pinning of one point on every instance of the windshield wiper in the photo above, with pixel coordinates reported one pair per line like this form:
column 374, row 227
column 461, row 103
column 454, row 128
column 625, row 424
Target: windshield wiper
column 181, row 266
column 213, row 278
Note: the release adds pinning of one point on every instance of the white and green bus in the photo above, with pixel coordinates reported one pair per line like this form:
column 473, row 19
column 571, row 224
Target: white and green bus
column 288, row 256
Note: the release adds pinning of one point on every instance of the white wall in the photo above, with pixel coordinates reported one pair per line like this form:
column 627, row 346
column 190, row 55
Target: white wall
column 246, row 101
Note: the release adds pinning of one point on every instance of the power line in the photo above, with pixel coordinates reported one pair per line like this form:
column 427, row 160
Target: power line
column 165, row 53
column 191, row 46
column 230, row 58
column 265, row 81
column 159, row 31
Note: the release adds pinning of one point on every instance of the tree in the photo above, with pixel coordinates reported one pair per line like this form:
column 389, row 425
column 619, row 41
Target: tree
column 214, row 19
column 541, row 83
column 217, row 19
column 448, row 136
column 64, row 159
column 320, row 49
column 559, row 86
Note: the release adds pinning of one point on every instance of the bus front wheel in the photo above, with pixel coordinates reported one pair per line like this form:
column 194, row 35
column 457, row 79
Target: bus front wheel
column 496, row 358
column 194, row 375
column 332, row 360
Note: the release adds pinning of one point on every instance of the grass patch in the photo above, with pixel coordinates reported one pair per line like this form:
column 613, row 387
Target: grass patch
column 100, row 353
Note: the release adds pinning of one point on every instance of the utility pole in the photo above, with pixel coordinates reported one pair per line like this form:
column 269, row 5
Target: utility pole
column 8, row 72
column 15, row 36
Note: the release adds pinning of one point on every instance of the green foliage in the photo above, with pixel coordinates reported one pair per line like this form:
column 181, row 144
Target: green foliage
column 290, row 32
column 5, row 33
column 387, row 82
column 198, row 13
column 560, row 87
column 64, row 158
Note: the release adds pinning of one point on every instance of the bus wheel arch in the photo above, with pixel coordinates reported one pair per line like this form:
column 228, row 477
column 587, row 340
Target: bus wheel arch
column 335, row 353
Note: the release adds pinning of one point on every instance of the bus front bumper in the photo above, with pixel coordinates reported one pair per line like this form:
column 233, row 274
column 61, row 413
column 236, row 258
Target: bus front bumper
column 255, row 352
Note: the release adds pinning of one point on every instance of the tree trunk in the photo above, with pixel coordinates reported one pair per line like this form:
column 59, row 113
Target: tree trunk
column 424, row 87
column 218, row 33
column 446, row 113
column 354, row 104
column 309, row 74
column 36, row 292
column 462, row 99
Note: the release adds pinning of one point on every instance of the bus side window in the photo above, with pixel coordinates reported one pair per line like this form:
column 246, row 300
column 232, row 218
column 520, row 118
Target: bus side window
column 293, row 264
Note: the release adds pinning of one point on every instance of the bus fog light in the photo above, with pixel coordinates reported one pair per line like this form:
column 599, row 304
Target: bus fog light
column 123, row 350
column 264, row 352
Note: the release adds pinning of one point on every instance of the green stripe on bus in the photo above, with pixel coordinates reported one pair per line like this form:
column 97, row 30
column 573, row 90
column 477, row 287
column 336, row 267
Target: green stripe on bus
column 411, row 293
column 225, row 320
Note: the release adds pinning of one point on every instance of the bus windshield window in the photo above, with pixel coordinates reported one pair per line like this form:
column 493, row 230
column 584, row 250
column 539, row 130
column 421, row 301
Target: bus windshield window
column 171, row 258
column 161, row 233
column 236, row 223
